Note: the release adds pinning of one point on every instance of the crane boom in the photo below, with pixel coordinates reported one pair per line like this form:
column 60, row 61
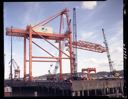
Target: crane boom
column 89, row 46
column 108, row 54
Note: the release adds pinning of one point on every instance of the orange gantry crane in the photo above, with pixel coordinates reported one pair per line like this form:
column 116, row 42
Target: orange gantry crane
column 30, row 33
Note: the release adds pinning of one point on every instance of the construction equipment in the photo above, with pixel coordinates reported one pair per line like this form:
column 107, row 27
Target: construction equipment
column 113, row 72
column 56, row 65
column 89, row 46
column 43, row 29
column 108, row 54
column 88, row 70
column 75, row 40
column 81, row 45
column 52, row 76
column 49, row 71
column 29, row 33
column 16, row 69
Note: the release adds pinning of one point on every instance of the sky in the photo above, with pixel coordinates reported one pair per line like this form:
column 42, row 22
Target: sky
column 91, row 18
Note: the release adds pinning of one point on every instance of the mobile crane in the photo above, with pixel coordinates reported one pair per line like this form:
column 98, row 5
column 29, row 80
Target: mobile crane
column 113, row 72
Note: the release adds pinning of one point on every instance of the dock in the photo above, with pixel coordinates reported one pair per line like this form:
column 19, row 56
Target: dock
column 65, row 88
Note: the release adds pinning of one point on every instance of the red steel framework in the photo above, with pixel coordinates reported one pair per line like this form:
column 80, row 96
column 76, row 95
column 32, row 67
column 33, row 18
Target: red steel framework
column 89, row 70
column 29, row 33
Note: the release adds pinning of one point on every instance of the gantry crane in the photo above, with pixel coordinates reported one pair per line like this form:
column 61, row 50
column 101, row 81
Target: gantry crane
column 89, row 70
column 30, row 33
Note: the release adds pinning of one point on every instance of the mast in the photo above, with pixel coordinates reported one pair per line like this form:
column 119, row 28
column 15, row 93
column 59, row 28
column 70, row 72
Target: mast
column 108, row 54
column 75, row 40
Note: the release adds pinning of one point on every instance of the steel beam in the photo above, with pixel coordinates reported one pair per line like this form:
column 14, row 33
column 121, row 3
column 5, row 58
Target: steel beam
column 30, row 53
column 42, row 48
column 60, row 47
column 42, row 61
column 70, row 44
column 51, row 18
column 24, row 57
column 51, row 43
column 71, row 54
column 49, row 57
column 21, row 32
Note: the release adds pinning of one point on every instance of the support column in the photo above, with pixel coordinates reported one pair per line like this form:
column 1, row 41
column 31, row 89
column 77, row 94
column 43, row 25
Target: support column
column 73, row 93
column 60, row 60
column 30, row 53
column 35, row 93
column 82, row 92
column 117, row 91
column 60, row 53
column 122, row 89
column 78, row 93
column 104, row 91
column 95, row 92
column 112, row 90
column 107, row 91
column 24, row 58
column 71, row 54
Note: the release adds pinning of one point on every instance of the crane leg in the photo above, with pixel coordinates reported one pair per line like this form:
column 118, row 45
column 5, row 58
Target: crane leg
column 25, row 58
column 30, row 54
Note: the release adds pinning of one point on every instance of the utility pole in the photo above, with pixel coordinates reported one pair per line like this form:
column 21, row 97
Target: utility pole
column 108, row 54
column 75, row 40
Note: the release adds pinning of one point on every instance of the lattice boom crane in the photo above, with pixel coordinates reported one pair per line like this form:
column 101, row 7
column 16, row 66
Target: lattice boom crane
column 108, row 54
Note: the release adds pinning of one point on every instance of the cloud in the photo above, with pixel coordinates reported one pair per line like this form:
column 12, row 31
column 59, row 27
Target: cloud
column 89, row 5
column 96, row 61
column 77, row 7
column 116, row 41
column 31, row 11
column 100, row 65
column 118, row 33
column 5, row 12
column 86, row 35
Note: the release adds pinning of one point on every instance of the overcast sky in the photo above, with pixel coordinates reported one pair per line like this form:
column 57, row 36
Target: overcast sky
column 91, row 18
